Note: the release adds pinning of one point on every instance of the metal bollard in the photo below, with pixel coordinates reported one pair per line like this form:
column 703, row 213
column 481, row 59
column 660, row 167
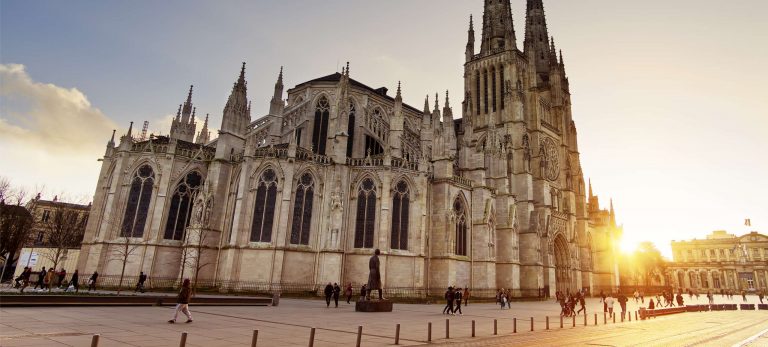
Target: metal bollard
column 574, row 321
column 447, row 328
column 630, row 317
column 495, row 327
column 531, row 323
column 95, row 341
column 183, row 341
column 561, row 322
column 514, row 325
column 473, row 328
column 429, row 332
column 312, row 337
column 255, row 337
column 595, row 318
column 605, row 318
column 614, row 317
column 585, row 319
column 359, row 334
column 547, row 322
column 635, row 315
column 397, row 334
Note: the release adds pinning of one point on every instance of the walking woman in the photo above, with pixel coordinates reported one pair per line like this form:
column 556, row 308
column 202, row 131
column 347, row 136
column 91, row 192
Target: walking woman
column 182, row 303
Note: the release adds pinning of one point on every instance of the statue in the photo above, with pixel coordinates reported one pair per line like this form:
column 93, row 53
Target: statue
column 374, row 277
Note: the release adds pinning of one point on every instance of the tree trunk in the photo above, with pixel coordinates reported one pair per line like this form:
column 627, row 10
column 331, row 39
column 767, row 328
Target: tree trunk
column 122, row 271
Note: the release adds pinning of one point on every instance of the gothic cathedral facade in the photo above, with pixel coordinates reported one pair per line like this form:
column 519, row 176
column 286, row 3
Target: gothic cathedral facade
column 495, row 198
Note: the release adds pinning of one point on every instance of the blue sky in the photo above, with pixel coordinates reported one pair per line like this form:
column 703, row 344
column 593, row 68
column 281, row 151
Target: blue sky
column 668, row 96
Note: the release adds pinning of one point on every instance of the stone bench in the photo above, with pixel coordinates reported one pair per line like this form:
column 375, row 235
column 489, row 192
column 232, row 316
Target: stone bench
column 762, row 306
column 646, row 313
column 747, row 307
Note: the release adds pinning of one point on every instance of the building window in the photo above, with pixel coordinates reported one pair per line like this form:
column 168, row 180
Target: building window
column 755, row 254
column 320, row 130
column 351, row 129
column 692, row 279
column 501, row 85
column 46, row 215
column 302, row 210
column 264, row 208
column 485, row 90
column 400, row 213
column 704, row 280
column 477, row 88
column 461, row 227
column 716, row 280
column 181, row 206
column 137, row 207
column 365, row 220
column 493, row 88
column 681, row 279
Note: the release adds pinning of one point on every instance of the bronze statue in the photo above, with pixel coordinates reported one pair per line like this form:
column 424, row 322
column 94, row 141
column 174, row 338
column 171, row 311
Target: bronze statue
column 374, row 277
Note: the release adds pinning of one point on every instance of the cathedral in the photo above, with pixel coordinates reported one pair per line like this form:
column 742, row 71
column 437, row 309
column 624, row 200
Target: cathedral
column 485, row 192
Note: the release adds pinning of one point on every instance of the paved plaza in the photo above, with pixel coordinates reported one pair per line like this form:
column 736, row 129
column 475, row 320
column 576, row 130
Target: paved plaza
column 289, row 325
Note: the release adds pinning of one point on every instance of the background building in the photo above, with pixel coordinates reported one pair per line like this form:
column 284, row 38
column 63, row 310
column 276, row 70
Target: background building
column 304, row 194
column 721, row 261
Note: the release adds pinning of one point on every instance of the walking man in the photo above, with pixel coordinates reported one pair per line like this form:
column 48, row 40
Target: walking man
column 448, row 309
column 92, row 281
column 328, row 293
column 457, row 297
column 74, row 281
column 41, row 279
column 466, row 296
column 182, row 302
column 348, row 292
column 582, row 304
column 623, row 303
column 336, row 293
column 140, row 283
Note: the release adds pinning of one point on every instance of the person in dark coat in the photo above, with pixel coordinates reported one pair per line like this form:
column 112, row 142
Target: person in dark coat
column 374, row 277
column 651, row 305
column 74, row 281
column 182, row 302
column 582, row 304
column 92, row 281
column 363, row 292
column 336, row 293
column 62, row 276
column 449, row 296
column 41, row 279
column 140, row 283
column 623, row 303
column 328, row 293
column 348, row 292
column 457, row 298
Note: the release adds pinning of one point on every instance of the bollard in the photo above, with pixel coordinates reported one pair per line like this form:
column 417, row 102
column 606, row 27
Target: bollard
column 630, row 317
column 614, row 318
column 95, row 340
column 397, row 334
column 495, row 327
column 429, row 332
column 561, row 322
column 595, row 318
column 547, row 323
column 574, row 321
column 183, row 341
column 447, row 329
column 605, row 318
column 635, row 315
column 359, row 334
column 531, row 323
column 312, row 337
column 255, row 337
column 473, row 328
column 514, row 325
column 585, row 319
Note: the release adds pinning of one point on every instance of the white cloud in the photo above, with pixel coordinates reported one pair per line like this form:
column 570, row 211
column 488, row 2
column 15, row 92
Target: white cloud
column 49, row 134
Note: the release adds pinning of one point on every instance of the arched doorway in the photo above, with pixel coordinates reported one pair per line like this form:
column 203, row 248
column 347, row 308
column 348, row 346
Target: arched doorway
column 562, row 275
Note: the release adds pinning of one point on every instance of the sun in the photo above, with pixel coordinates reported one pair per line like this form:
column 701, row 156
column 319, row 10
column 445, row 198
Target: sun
column 628, row 245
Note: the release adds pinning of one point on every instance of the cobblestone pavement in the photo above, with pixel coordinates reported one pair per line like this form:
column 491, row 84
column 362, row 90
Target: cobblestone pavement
column 289, row 325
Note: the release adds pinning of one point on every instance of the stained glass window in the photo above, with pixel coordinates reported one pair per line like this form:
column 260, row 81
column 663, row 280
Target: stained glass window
column 400, row 205
column 302, row 210
column 366, row 214
column 461, row 227
column 320, row 127
column 181, row 206
column 351, row 129
column 264, row 209
column 137, row 207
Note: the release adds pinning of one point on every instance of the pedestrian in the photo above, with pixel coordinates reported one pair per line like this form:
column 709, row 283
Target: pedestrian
column 25, row 278
column 609, row 304
column 336, row 293
column 449, row 296
column 602, row 296
column 73, row 283
column 503, row 300
column 679, row 300
column 363, row 291
column 651, row 306
column 623, row 303
column 19, row 278
column 348, row 292
column 62, row 275
column 711, row 298
column 466, row 296
column 182, row 302
column 140, row 282
column 49, row 278
column 637, row 296
column 457, row 297
column 582, row 304
column 509, row 299
column 761, row 296
column 92, row 281
column 328, row 294
column 41, row 279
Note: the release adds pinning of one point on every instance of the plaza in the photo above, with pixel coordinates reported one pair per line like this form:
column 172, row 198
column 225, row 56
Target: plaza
column 289, row 324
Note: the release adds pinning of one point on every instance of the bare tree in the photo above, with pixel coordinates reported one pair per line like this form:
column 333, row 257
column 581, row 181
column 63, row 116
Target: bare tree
column 122, row 249
column 15, row 223
column 198, row 237
column 62, row 231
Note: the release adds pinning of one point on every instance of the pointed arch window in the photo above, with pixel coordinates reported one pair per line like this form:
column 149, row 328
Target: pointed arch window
column 181, row 206
column 302, row 210
column 400, row 216
column 264, row 209
column 477, row 92
column 459, row 211
column 485, row 91
column 320, row 128
column 493, row 89
column 351, row 129
column 501, row 85
column 137, row 208
column 365, row 220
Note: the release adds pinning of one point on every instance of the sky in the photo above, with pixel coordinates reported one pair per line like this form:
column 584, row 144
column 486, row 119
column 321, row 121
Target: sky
column 668, row 96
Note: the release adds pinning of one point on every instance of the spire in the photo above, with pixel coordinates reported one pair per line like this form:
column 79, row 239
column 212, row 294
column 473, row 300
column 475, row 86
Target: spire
column 536, row 38
column 241, row 79
column 398, row 97
column 612, row 215
column 470, row 53
column 130, row 130
column 178, row 113
column 236, row 115
column 186, row 110
column 189, row 96
column 562, row 64
column 447, row 100
column 437, row 106
column 426, row 104
column 498, row 27
column 194, row 110
column 280, row 77
column 590, row 188
column 347, row 69
column 204, row 135
column 111, row 142
column 276, row 105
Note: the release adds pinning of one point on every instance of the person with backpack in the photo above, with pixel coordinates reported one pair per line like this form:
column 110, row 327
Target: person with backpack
column 73, row 283
column 182, row 302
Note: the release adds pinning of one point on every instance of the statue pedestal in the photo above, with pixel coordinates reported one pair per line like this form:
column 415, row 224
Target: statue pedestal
column 373, row 306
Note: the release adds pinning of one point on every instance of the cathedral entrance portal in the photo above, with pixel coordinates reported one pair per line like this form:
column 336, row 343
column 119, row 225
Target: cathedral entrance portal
column 562, row 272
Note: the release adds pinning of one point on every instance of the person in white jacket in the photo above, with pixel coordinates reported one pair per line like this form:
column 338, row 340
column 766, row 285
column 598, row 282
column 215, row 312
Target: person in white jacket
column 609, row 303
